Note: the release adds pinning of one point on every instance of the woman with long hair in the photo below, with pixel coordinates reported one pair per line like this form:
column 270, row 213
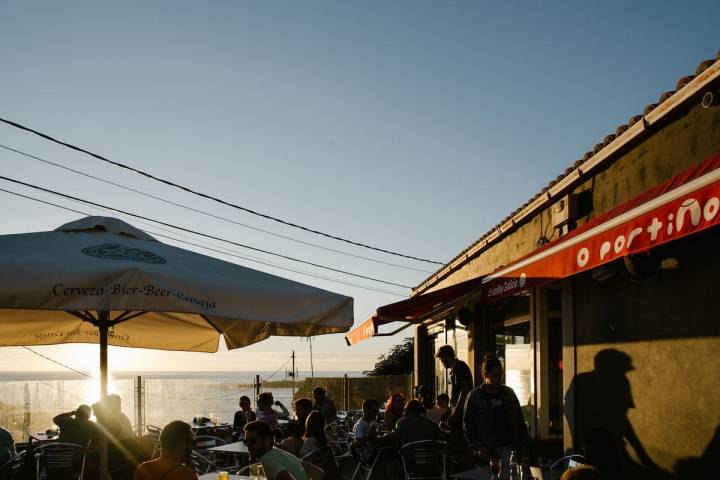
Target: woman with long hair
column 314, row 436
column 394, row 409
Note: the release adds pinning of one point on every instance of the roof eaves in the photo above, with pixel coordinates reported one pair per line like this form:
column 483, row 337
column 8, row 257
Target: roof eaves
column 687, row 87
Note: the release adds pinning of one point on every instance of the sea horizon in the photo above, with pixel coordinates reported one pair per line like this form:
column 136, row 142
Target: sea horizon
column 29, row 375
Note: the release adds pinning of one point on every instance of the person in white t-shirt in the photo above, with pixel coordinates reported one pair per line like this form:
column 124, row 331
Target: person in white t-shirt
column 439, row 411
column 364, row 430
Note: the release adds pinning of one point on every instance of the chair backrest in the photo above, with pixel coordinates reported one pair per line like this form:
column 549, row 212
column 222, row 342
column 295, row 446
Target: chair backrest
column 425, row 460
column 60, row 459
column 13, row 467
column 205, row 442
column 200, row 463
column 313, row 471
column 324, row 459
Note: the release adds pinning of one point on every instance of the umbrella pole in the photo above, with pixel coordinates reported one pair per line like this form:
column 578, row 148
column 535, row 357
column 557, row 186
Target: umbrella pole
column 103, row 322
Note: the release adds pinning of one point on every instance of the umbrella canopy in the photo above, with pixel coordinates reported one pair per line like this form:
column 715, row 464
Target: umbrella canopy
column 152, row 294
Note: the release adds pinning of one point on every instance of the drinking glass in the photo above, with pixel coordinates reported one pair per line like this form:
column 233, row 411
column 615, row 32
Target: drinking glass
column 257, row 472
column 495, row 468
column 223, row 476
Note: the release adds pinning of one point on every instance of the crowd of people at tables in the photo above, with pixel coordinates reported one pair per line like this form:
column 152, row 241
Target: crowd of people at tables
column 474, row 422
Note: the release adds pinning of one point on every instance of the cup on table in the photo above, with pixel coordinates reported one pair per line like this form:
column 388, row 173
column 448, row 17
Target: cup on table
column 223, row 476
column 257, row 472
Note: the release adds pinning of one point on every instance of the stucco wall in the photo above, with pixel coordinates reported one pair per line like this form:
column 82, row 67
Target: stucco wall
column 668, row 328
column 686, row 141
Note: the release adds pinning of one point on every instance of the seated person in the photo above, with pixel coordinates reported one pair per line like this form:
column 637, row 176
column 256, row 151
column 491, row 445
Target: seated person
column 176, row 442
column 244, row 415
column 7, row 446
column 266, row 411
column 365, row 429
column 413, row 427
column 277, row 464
column 76, row 427
column 440, row 411
column 324, row 405
column 295, row 429
column 423, row 394
column 314, row 437
column 393, row 411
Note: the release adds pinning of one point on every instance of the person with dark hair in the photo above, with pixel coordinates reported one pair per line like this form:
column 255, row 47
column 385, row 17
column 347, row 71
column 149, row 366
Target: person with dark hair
column 176, row 442
column 267, row 413
column 7, row 446
column 439, row 411
column 314, row 436
column 394, row 409
column 324, row 405
column 244, row 415
column 493, row 421
column 76, row 427
column 461, row 382
column 295, row 429
column 423, row 394
column 365, row 429
column 413, row 427
column 278, row 464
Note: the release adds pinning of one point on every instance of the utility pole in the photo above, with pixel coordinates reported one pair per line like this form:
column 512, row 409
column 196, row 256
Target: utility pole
column 312, row 368
column 293, row 373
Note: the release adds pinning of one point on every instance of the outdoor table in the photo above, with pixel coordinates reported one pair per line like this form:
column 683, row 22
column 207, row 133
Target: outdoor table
column 236, row 447
column 200, row 426
column 43, row 437
column 214, row 476
column 477, row 473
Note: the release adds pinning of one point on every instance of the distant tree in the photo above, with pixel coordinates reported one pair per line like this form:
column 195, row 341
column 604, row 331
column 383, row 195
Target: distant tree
column 398, row 361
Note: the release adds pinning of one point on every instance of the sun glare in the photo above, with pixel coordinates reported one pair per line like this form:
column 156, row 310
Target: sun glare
column 91, row 393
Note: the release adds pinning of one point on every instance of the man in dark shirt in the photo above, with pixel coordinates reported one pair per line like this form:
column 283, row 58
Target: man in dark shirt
column 76, row 427
column 324, row 405
column 413, row 427
column 461, row 383
column 244, row 415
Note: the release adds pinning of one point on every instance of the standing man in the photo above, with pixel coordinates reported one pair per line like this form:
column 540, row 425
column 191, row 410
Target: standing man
column 324, row 405
column 461, row 383
column 277, row 464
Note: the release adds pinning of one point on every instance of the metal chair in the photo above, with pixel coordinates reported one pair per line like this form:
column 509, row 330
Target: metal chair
column 324, row 459
column 154, row 433
column 13, row 468
column 202, row 464
column 365, row 467
column 424, row 460
column 313, row 471
column 62, row 461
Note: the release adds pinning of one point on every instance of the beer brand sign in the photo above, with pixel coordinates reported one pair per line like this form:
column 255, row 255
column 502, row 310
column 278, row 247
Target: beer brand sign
column 682, row 211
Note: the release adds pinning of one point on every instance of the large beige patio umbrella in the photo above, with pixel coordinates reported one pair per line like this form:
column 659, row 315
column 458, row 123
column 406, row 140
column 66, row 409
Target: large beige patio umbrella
column 101, row 280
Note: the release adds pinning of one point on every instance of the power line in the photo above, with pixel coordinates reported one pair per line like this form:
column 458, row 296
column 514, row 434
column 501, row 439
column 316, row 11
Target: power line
column 206, row 213
column 56, row 362
column 220, row 250
column 215, row 199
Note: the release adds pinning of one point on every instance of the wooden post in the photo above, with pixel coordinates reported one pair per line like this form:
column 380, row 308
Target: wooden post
column 139, row 420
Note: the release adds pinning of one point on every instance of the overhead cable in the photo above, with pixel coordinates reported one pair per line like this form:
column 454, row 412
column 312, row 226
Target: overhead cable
column 56, row 362
column 213, row 198
column 203, row 212
column 221, row 250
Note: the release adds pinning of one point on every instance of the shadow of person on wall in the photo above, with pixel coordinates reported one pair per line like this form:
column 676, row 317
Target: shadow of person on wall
column 601, row 426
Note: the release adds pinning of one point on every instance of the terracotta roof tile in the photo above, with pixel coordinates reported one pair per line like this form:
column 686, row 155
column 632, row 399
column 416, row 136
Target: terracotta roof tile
column 702, row 66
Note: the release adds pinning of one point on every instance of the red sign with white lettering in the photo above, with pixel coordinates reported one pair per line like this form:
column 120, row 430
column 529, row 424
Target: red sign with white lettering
column 685, row 209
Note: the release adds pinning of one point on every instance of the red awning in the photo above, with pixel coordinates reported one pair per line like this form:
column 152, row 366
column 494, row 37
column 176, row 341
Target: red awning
column 411, row 310
column 685, row 204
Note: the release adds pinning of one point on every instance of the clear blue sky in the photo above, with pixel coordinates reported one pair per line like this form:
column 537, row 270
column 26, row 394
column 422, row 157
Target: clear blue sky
column 414, row 126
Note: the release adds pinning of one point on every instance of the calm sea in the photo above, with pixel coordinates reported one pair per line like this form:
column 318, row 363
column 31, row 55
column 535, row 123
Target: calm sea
column 29, row 400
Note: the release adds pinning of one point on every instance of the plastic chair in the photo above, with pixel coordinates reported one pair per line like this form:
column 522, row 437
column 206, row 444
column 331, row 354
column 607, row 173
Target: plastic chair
column 13, row 468
column 324, row 459
column 154, row 433
column 313, row 471
column 62, row 461
column 202, row 464
column 424, row 460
